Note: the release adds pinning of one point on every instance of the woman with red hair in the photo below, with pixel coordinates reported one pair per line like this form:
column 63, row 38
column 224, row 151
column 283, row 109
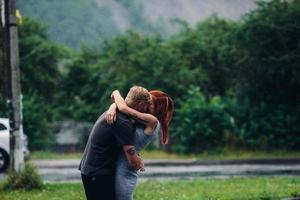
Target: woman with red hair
column 157, row 120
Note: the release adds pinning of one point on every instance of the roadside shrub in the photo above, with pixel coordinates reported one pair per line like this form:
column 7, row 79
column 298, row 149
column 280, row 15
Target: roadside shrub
column 29, row 179
column 295, row 194
column 215, row 124
column 264, row 127
column 37, row 115
column 200, row 124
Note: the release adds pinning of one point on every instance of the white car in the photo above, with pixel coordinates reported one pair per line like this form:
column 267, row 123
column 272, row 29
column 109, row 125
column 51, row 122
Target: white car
column 4, row 144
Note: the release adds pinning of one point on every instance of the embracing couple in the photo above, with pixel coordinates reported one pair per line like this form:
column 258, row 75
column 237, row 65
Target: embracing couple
column 110, row 163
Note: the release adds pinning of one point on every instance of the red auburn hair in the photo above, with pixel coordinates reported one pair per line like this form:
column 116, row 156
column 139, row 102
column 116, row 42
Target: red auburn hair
column 163, row 111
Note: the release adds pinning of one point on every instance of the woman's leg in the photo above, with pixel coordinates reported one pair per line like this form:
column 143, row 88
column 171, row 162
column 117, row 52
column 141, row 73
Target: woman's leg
column 125, row 184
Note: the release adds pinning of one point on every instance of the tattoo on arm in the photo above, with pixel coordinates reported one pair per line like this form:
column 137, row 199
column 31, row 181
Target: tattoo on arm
column 131, row 151
column 135, row 116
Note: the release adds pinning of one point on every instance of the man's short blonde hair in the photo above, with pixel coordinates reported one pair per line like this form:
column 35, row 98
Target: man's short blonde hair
column 138, row 98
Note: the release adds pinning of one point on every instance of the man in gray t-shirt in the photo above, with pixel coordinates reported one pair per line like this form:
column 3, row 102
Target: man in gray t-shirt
column 105, row 143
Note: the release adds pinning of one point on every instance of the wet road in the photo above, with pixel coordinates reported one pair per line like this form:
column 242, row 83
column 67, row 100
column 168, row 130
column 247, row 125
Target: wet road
column 66, row 170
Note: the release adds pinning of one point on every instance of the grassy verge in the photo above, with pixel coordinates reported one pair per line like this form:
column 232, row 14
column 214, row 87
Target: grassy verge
column 236, row 188
column 157, row 154
column 42, row 155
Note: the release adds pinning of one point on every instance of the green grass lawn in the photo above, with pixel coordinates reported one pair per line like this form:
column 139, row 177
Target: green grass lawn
column 261, row 188
column 157, row 154
column 53, row 155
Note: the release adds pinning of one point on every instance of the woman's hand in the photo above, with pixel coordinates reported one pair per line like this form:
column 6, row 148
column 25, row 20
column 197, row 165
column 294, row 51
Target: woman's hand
column 111, row 114
column 112, row 95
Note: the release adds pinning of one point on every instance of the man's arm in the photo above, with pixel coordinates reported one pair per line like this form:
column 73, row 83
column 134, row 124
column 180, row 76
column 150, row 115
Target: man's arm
column 133, row 158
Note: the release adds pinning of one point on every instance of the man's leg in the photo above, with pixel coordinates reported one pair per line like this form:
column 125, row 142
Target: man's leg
column 88, row 186
column 99, row 187
column 107, row 185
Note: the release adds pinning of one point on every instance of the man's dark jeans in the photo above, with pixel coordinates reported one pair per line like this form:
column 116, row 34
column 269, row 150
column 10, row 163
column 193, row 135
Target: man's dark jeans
column 100, row 187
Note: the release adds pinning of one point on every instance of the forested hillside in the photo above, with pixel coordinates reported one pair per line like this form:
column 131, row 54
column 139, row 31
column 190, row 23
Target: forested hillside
column 74, row 22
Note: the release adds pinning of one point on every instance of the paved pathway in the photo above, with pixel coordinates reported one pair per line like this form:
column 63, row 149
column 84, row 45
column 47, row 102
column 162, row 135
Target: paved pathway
column 66, row 170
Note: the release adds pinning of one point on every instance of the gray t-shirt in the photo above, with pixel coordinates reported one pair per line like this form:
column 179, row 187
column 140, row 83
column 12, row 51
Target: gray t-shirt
column 105, row 144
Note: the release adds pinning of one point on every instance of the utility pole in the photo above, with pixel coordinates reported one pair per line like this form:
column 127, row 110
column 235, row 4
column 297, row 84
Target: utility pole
column 14, row 87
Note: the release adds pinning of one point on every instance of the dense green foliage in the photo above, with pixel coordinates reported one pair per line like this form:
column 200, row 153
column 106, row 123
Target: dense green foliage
column 204, row 124
column 235, row 84
column 259, row 188
column 269, row 80
column 39, row 62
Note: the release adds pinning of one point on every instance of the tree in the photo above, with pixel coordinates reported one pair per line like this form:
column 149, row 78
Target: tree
column 209, row 52
column 40, row 77
column 269, row 40
column 269, row 75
